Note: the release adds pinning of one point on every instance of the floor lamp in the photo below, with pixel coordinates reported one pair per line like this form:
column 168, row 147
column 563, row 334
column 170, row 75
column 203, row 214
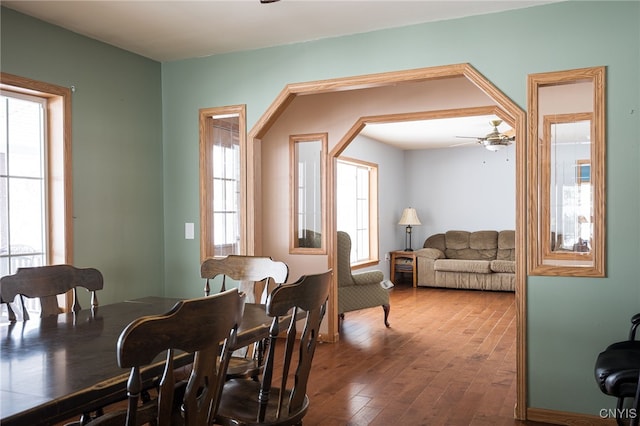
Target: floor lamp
column 409, row 218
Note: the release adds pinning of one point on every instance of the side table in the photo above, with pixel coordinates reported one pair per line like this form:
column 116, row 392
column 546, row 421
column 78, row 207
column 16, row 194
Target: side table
column 404, row 262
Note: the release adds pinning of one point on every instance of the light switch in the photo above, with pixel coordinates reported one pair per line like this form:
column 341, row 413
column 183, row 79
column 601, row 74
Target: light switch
column 188, row 231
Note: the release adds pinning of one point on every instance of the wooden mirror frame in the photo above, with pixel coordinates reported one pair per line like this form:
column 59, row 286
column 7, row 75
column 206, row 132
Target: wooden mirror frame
column 320, row 194
column 543, row 259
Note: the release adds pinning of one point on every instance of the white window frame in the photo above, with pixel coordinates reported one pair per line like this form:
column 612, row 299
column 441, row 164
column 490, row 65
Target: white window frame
column 23, row 255
column 59, row 195
column 364, row 233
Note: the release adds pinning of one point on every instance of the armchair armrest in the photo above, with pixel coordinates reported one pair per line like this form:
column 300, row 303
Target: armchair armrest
column 368, row 277
column 430, row 253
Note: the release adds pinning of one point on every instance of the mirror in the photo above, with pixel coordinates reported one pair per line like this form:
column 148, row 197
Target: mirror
column 566, row 173
column 307, row 154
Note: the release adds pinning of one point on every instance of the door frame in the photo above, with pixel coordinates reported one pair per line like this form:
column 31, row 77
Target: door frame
column 508, row 110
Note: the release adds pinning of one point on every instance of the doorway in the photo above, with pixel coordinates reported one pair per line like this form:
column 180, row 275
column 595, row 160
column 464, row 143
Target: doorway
column 400, row 86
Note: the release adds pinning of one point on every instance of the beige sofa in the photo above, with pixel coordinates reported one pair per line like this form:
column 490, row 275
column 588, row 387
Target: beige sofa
column 481, row 260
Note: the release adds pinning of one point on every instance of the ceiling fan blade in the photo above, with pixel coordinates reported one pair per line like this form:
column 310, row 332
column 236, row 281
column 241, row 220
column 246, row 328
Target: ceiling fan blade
column 462, row 144
column 469, row 137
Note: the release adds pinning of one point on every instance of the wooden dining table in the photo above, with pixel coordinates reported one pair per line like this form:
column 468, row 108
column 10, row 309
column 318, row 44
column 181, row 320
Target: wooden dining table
column 57, row 367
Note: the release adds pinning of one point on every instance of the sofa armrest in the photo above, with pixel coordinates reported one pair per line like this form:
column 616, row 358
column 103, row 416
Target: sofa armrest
column 430, row 253
column 368, row 277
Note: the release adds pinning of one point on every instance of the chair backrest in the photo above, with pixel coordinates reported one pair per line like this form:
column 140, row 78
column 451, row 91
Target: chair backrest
column 207, row 328
column 343, row 264
column 251, row 269
column 309, row 294
column 46, row 283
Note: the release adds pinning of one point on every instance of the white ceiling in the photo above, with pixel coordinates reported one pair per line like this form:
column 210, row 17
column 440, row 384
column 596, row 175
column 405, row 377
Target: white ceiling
column 457, row 132
column 174, row 30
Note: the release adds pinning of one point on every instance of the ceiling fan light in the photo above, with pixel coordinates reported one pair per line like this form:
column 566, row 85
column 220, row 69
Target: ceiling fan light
column 494, row 147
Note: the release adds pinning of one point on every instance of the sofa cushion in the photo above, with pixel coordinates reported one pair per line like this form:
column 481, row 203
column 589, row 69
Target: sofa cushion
column 506, row 245
column 479, row 245
column 430, row 253
column 457, row 240
column 506, row 266
column 459, row 265
column 435, row 241
column 483, row 240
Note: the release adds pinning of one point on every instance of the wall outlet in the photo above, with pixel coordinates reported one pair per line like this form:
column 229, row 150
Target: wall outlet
column 387, row 257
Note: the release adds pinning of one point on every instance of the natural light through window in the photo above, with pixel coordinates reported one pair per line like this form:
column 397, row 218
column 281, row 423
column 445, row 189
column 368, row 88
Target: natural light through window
column 221, row 214
column 226, row 185
column 358, row 207
column 23, row 184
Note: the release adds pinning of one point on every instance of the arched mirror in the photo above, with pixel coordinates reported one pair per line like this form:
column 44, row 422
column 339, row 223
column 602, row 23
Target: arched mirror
column 566, row 173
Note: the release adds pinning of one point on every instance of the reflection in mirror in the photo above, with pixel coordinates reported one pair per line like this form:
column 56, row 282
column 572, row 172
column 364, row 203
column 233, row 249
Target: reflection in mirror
column 570, row 196
column 307, row 154
column 567, row 187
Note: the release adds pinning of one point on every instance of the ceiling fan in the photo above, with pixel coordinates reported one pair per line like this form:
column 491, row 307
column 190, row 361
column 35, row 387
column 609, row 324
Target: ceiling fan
column 495, row 140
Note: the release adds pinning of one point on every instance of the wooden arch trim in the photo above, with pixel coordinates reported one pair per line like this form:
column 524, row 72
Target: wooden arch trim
column 361, row 123
column 505, row 108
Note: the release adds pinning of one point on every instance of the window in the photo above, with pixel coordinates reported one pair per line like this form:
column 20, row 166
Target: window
column 36, row 225
column 357, row 198
column 221, row 195
column 23, row 182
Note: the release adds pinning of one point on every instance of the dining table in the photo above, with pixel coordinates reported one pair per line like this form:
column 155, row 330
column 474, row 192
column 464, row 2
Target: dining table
column 57, row 367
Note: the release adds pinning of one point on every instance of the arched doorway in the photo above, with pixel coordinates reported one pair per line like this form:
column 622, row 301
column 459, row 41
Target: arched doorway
column 395, row 82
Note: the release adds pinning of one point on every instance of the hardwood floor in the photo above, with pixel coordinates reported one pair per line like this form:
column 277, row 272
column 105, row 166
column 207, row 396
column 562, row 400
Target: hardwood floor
column 448, row 359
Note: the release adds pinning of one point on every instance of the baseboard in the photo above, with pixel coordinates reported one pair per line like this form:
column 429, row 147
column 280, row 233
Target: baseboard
column 566, row 418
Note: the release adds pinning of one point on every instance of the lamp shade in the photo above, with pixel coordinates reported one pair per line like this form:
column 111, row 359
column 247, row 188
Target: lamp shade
column 409, row 217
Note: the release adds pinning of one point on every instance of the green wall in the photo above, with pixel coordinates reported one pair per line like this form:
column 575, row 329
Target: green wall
column 117, row 148
column 135, row 124
column 570, row 319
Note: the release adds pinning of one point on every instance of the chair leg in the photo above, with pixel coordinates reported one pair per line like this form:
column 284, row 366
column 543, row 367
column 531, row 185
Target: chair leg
column 619, row 406
column 386, row 308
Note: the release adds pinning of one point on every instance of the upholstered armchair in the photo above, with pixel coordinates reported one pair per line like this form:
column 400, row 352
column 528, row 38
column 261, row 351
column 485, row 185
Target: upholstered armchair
column 361, row 290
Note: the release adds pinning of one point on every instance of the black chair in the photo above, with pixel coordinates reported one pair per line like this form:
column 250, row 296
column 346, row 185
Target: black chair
column 617, row 372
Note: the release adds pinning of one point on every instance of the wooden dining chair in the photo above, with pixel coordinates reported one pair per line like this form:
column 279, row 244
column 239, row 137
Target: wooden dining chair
column 205, row 327
column 247, row 402
column 46, row 283
column 256, row 276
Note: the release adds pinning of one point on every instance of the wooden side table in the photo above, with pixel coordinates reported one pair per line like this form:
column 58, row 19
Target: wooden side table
column 404, row 262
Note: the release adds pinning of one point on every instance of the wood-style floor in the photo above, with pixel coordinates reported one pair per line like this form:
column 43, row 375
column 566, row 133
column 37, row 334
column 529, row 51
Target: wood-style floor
column 448, row 359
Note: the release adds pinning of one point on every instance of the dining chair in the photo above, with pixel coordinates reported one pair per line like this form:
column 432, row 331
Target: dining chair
column 46, row 283
column 255, row 273
column 256, row 276
column 205, row 327
column 248, row 402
